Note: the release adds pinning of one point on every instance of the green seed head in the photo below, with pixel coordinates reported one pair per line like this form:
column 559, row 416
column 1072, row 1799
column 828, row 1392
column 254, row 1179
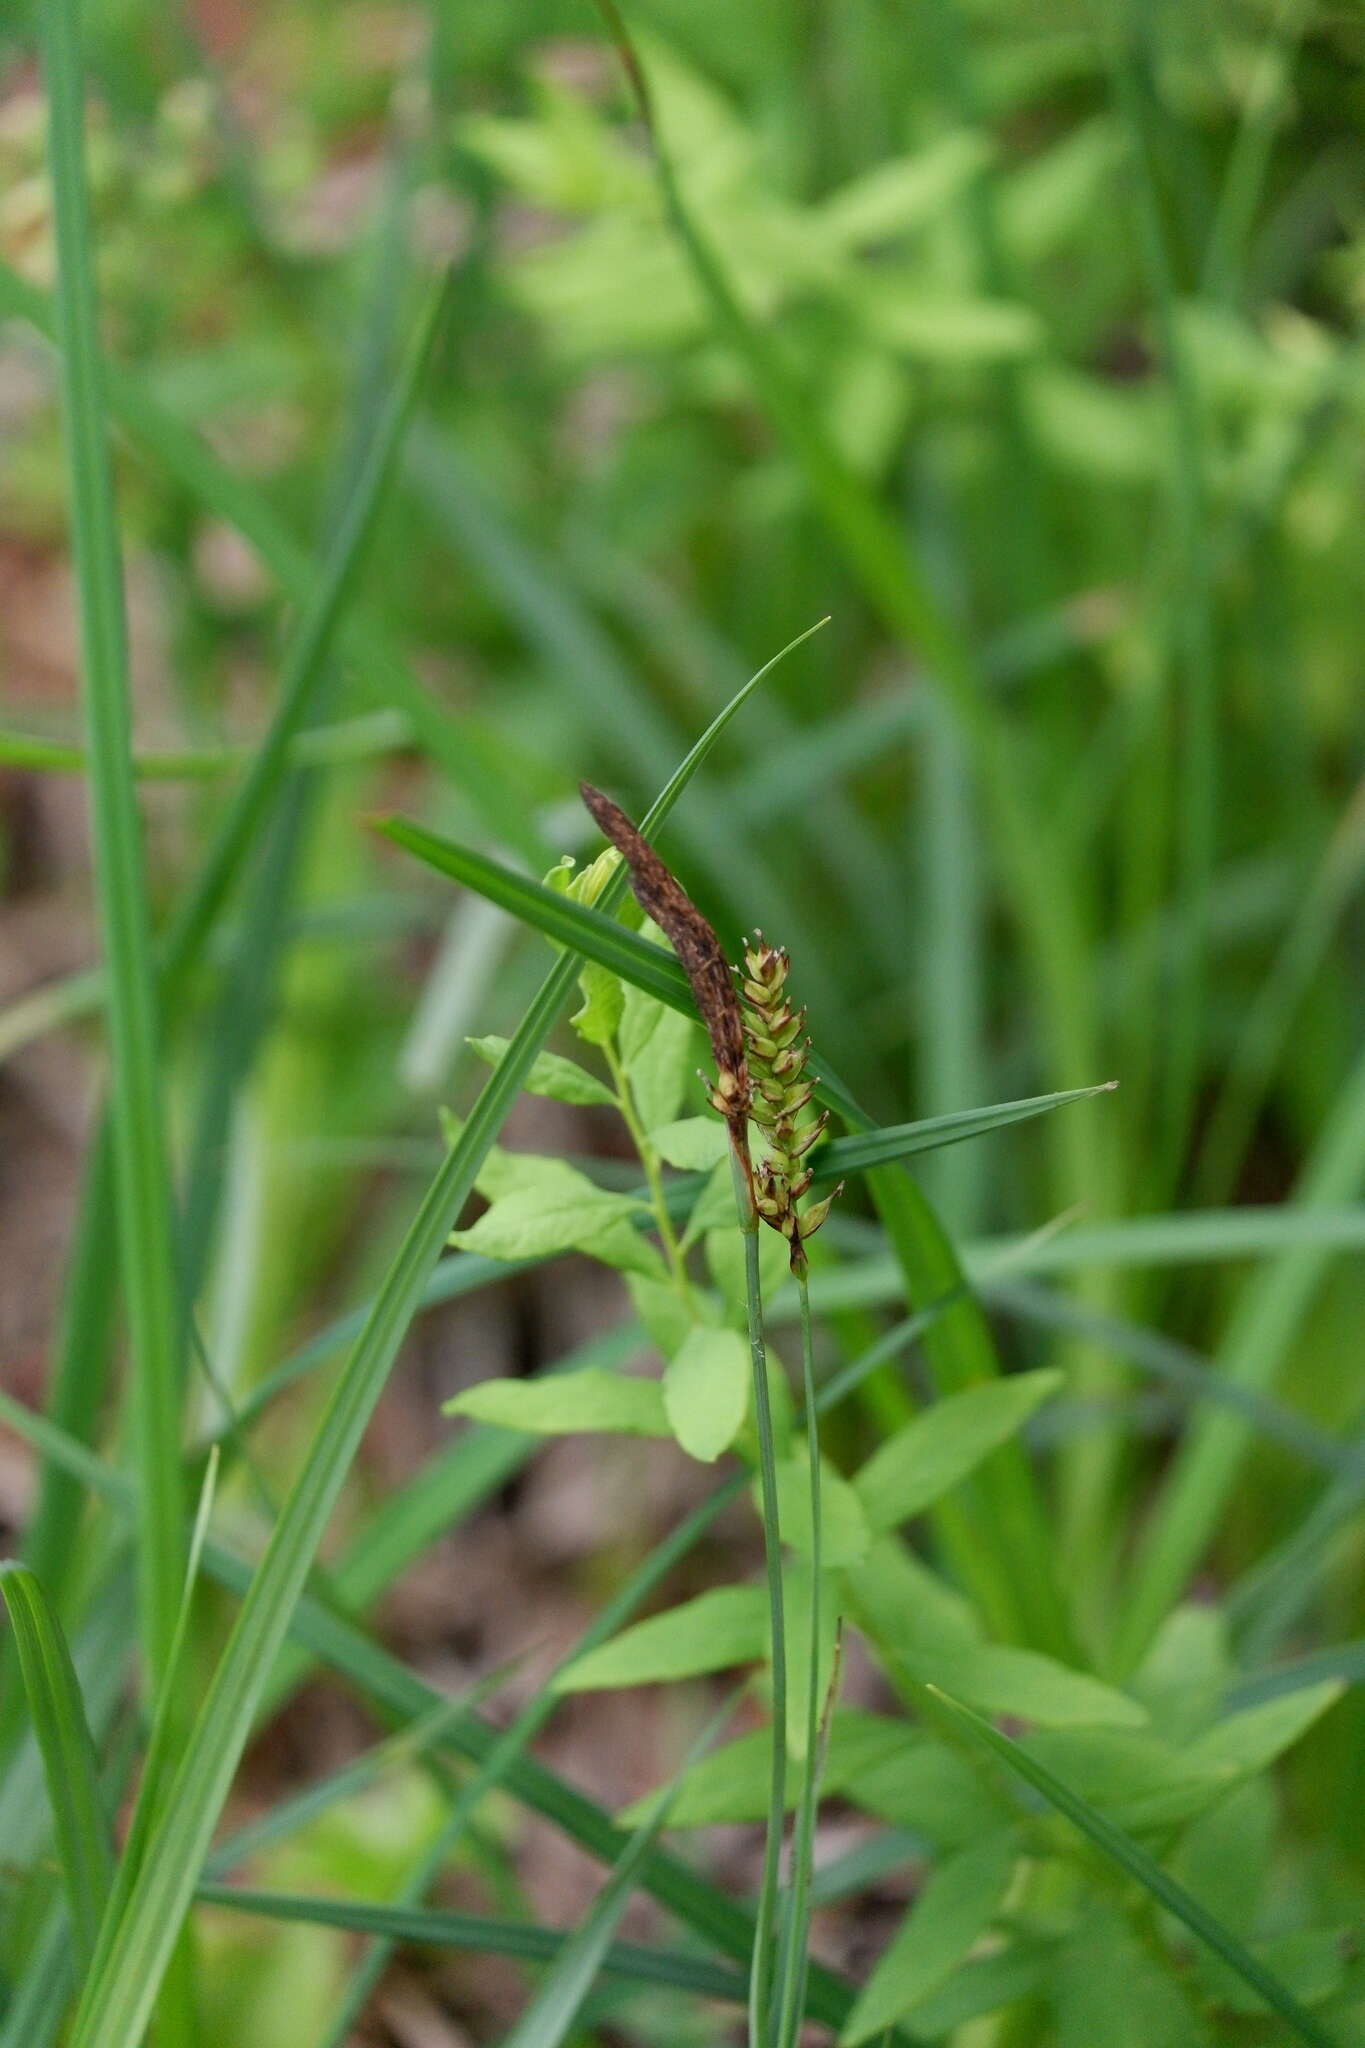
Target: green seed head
column 776, row 1055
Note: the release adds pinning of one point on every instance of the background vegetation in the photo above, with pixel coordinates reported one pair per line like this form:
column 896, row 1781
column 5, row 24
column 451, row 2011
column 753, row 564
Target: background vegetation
column 470, row 427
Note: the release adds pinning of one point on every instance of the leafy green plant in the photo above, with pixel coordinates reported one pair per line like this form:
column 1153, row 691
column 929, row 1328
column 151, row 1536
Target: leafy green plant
column 844, row 1559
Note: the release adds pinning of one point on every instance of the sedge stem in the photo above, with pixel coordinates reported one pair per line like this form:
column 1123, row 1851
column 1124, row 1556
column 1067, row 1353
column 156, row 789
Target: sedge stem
column 760, row 1977
column 803, row 1846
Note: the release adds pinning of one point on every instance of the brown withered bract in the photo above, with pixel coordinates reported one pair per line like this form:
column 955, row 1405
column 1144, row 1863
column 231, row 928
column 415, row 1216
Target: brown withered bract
column 696, row 946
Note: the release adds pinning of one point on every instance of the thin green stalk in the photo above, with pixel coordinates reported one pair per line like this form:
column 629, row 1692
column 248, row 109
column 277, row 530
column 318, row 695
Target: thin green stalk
column 649, row 1160
column 760, row 1979
column 803, row 1839
column 354, row 739
column 145, row 1228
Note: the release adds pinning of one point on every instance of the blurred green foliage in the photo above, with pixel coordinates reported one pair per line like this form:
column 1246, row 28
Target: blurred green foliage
column 1075, row 299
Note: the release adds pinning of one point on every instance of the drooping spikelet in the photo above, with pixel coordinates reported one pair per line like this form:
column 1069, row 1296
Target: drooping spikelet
column 781, row 1088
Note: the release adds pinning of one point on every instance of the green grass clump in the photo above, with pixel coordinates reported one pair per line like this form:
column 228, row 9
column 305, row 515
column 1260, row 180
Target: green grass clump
column 425, row 413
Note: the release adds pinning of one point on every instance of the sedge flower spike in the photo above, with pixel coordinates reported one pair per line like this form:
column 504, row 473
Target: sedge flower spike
column 663, row 898
column 780, row 1090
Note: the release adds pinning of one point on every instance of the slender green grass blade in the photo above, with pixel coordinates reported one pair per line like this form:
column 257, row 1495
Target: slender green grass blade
column 555, row 2007
column 477, row 1934
column 1177, row 1366
column 396, row 1752
column 1267, row 1600
column 161, row 1744
column 68, row 1751
column 52, row 1545
column 1267, row 1319
column 890, row 1142
column 1123, row 1851
column 34, row 2014
column 353, row 739
column 948, row 989
column 1342, row 1661
column 590, row 932
column 187, row 457
column 790, row 1989
column 1266, row 1028
column 140, row 1169
column 310, row 648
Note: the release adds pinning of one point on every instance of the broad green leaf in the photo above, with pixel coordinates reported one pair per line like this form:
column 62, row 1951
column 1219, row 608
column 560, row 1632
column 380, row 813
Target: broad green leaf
column 598, row 1017
column 1152, row 2010
column 695, row 1143
column 904, row 193
column 727, row 1787
column 658, row 1048
column 932, row 1454
column 889, row 1770
column 70, row 1766
column 893, row 309
column 1128, row 1856
column 706, row 1391
column 1140, row 1781
column 1249, row 1741
column 564, row 1211
column 1226, row 1860
column 985, row 1984
column 896, row 1598
column 714, row 1632
column 566, row 1403
column 954, row 1908
column 1186, row 1671
column 515, row 1173
column 1026, row 1685
column 667, row 1315
column 925, row 1631
column 560, row 1079
column 844, row 1533
column 899, row 1774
